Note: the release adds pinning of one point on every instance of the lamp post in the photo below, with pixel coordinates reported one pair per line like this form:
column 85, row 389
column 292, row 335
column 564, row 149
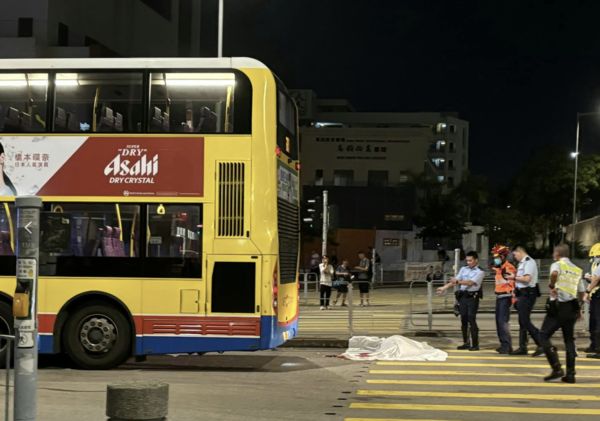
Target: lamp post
column 220, row 35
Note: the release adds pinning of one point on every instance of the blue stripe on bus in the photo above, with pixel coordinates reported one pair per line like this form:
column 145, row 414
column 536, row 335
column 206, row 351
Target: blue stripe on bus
column 272, row 336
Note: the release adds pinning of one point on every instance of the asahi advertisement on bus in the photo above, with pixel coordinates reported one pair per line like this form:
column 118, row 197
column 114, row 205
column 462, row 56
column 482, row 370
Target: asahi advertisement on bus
column 101, row 166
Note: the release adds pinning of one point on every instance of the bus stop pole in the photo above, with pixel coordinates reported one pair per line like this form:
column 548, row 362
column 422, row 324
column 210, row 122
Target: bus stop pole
column 25, row 307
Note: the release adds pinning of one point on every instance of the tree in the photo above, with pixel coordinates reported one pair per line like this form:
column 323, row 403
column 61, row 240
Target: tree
column 440, row 216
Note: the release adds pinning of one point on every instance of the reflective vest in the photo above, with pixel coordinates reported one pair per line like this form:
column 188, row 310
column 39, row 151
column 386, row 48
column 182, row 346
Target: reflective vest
column 503, row 287
column 569, row 278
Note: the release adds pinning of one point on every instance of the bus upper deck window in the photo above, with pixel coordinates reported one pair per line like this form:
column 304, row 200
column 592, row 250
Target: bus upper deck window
column 98, row 102
column 23, row 102
column 192, row 102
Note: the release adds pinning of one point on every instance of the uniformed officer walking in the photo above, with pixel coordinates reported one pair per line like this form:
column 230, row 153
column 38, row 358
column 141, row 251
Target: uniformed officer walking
column 526, row 292
column 593, row 297
column 469, row 281
column 562, row 310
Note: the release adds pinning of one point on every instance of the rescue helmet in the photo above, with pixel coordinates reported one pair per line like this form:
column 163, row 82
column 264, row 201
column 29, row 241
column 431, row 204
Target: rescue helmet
column 502, row 250
column 595, row 250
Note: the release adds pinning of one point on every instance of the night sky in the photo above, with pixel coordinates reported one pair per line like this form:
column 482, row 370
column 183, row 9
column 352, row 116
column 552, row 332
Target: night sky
column 517, row 70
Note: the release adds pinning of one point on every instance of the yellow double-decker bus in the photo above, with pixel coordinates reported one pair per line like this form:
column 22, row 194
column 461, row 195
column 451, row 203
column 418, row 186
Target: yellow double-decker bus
column 170, row 189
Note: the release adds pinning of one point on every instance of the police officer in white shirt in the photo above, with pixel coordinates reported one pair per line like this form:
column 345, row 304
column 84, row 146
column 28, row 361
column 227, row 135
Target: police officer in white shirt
column 469, row 281
column 527, row 291
column 562, row 310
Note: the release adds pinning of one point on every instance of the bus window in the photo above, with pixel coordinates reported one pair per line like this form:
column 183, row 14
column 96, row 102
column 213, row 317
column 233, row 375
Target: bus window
column 286, row 127
column 98, row 102
column 174, row 231
column 90, row 230
column 192, row 102
column 23, row 102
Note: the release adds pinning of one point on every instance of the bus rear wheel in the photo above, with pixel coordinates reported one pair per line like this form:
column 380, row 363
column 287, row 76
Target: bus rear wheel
column 97, row 337
column 6, row 328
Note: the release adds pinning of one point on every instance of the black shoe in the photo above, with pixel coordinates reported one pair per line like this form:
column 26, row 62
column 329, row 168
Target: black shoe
column 595, row 356
column 463, row 346
column 539, row 351
column 569, row 378
column 556, row 374
column 504, row 351
column 474, row 348
column 519, row 351
column 590, row 350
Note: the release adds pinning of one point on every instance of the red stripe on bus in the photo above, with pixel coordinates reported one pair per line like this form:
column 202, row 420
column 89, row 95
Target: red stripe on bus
column 179, row 325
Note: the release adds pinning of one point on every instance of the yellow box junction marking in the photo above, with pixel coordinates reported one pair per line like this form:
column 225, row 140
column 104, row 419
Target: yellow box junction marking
column 479, row 384
column 465, row 408
column 465, row 373
column 445, row 364
column 471, row 395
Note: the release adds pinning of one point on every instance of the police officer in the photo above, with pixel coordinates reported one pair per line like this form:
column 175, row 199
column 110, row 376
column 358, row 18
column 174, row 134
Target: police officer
column 469, row 281
column 526, row 292
column 593, row 297
column 562, row 311
column 504, row 296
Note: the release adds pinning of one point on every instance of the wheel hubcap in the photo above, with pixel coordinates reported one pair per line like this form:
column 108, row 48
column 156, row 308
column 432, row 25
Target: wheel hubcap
column 98, row 334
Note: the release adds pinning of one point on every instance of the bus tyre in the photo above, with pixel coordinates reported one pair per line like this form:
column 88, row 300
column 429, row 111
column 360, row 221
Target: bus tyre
column 7, row 327
column 97, row 337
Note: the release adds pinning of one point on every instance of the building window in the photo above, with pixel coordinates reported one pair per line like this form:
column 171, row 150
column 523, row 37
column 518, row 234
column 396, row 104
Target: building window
column 393, row 217
column 452, row 147
column 318, row 177
column 98, row 102
column 162, row 7
column 25, row 27
column 451, row 164
column 452, row 128
column 403, row 178
column 343, row 177
column 63, row 35
column 438, row 162
column 377, row 178
column 441, row 178
column 450, row 181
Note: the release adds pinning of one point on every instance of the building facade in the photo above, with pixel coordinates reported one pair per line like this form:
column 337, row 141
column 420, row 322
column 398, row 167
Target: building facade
column 108, row 28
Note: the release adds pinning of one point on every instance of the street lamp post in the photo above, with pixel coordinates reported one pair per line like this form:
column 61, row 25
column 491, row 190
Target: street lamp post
column 220, row 35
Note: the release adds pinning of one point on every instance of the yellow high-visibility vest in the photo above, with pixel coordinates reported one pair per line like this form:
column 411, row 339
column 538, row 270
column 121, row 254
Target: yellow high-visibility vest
column 595, row 290
column 569, row 278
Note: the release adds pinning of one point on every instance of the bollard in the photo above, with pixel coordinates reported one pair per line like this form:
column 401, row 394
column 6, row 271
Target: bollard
column 137, row 401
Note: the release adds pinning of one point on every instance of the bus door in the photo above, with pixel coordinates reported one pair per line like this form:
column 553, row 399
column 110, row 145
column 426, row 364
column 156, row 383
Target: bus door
column 233, row 291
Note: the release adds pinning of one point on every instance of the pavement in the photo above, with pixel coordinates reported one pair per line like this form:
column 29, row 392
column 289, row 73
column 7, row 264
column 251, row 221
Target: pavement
column 310, row 384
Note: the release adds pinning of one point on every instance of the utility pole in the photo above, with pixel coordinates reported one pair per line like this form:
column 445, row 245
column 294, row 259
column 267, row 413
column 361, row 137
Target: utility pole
column 25, row 307
column 325, row 223
column 220, row 36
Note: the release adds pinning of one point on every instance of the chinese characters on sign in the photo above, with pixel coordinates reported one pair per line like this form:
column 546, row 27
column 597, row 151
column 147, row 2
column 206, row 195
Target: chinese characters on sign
column 35, row 160
column 348, row 148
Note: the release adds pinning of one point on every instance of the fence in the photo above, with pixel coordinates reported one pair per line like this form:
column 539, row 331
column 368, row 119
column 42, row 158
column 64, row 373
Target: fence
column 6, row 341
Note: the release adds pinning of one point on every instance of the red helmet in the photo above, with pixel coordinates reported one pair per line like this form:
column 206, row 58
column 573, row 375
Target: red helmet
column 500, row 250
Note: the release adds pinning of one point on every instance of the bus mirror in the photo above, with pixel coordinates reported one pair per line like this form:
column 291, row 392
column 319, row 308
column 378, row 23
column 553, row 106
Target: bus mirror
column 160, row 210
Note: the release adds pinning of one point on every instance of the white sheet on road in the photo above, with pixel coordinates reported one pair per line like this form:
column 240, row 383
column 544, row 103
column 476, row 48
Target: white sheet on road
column 393, row 348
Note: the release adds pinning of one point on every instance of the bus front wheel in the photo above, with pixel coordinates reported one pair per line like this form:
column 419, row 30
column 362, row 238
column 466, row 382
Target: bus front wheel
column 6, row 328
column 97, row 337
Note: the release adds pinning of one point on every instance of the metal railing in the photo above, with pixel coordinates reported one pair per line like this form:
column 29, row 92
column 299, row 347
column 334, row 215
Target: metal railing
column 8, row 343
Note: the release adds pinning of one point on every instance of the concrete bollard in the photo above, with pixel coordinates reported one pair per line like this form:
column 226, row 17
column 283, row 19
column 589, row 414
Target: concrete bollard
column 137, row 401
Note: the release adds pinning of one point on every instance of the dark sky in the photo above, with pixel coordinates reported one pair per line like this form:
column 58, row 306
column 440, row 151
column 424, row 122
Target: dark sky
column 517, row 70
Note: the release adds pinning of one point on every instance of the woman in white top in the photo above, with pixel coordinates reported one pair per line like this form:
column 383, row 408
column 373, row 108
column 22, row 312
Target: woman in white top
column 325, row 281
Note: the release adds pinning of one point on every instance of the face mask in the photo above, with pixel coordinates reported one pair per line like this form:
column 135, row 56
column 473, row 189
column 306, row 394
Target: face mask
column 497, row 261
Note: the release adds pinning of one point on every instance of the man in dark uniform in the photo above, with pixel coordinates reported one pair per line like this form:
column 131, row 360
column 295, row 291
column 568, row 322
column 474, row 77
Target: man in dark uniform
column 526, row 292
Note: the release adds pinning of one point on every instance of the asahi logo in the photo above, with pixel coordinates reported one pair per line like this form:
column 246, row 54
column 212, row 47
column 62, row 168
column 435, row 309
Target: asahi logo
column 132, row 165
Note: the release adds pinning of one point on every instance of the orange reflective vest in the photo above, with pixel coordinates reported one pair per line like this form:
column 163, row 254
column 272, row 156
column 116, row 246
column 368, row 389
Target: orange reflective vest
column 503, row 287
